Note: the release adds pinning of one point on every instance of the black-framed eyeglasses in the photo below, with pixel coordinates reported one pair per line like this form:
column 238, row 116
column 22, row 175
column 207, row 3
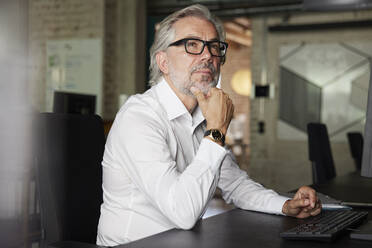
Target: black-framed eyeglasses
column 196, row 46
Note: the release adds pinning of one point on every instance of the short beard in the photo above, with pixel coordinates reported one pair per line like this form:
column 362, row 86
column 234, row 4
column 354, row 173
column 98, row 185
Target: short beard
column 184, row 85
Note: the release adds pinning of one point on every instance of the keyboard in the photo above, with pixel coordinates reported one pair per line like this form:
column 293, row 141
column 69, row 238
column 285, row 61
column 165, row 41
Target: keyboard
column 325, row 226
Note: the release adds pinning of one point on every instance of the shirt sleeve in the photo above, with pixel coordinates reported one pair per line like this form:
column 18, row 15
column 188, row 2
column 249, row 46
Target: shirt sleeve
column 140, row 142
column 238, row 188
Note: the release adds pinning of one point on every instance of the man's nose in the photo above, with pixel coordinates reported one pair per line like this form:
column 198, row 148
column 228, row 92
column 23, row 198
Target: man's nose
column 206, row 54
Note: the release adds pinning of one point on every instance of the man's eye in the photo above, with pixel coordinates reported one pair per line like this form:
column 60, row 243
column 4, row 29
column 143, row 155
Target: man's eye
column 192, row 44
column 215, row 46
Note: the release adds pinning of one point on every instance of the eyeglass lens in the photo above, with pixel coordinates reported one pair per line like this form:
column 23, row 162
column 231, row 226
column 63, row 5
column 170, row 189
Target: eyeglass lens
column 216, row 48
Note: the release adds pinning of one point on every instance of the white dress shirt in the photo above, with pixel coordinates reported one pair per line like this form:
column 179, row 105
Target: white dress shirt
column 159, row 172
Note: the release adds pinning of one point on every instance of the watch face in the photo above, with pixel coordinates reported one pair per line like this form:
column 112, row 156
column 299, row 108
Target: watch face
column 216, row 134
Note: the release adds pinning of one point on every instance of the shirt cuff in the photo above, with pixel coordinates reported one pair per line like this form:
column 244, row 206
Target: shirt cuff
column 211, row 153
column 277, row 204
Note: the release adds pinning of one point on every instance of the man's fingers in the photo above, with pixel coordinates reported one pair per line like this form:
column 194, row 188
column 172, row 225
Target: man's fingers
column 316, row 212
column 305, row 203
column 313, row 197
column 316, row 209
column 298, row 195
column 198, row 94
column 309, row 193
column 300, row 203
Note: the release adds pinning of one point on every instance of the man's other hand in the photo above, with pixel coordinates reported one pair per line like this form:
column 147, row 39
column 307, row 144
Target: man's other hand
column 305, row 203
column 216, row 107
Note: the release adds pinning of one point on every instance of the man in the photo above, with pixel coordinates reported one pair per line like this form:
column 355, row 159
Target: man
column 165, row 154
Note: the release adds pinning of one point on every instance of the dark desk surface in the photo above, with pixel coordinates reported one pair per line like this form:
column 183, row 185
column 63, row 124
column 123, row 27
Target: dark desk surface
column 351, row 187
column 240, row 228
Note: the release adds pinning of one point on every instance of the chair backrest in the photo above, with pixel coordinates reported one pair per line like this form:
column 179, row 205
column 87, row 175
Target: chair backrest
column 320, row 153
column 70, row 176
column 356, row 147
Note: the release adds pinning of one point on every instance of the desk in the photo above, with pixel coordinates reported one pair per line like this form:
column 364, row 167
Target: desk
column 240, row 228
column 351, row 187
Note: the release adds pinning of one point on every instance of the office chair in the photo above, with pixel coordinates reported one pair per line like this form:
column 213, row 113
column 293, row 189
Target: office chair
column 356, row 147
column 320, row 153
column 70, row 176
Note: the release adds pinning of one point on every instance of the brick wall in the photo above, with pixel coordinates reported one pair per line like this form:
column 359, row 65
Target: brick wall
column 238, row 58
column 110, row 59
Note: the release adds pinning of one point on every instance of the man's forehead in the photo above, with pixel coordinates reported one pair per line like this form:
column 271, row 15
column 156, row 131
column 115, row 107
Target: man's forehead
column 195, row 27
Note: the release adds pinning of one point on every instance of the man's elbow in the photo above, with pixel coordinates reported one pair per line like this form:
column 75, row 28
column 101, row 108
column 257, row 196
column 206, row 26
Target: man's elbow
column 186, row 216
column 186, row 225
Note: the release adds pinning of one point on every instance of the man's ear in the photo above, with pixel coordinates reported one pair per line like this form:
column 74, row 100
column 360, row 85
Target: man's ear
column 162, row 61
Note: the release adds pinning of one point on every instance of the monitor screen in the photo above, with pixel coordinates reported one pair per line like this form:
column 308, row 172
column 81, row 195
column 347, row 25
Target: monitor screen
column 73, row 103
column 367, row 148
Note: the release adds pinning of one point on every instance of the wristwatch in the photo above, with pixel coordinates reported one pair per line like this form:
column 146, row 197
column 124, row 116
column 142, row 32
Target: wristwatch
column 215, row 135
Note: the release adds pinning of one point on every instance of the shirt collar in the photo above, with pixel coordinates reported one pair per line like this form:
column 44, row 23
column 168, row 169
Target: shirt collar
column 169, row 100
column 173, row 105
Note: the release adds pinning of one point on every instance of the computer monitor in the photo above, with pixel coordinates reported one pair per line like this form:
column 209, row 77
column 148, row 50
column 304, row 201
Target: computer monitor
column 73, row 103
column 367, row 147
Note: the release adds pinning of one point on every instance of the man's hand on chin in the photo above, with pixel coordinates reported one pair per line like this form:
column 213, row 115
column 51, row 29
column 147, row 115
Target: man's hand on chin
column 305, row 203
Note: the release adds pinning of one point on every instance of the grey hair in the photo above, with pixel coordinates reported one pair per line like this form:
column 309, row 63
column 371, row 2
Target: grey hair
column 165, row 34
